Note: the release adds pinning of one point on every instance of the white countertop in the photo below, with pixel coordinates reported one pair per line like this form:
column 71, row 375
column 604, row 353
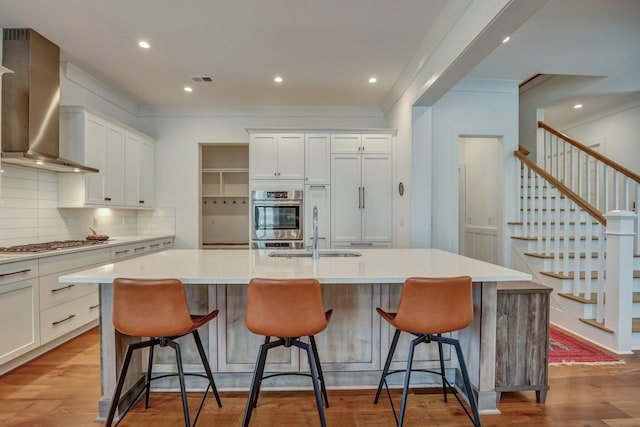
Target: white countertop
column 115, row 241
column 193, row 266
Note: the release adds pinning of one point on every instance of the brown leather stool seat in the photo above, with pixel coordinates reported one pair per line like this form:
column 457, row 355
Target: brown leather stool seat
column 430, row 307
column 156, row 308
column 287, row 309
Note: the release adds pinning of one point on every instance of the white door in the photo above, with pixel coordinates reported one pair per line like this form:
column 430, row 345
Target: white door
column 377, row 194
column 317, row 159
column 317, row 195
column 263, row 156
column 114, row 168
column 147, row 173
column 95, row 139
column 132, row 170
column 346, row 200
column 291, row 156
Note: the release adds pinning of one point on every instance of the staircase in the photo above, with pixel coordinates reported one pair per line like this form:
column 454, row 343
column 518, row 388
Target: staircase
column 577, row 232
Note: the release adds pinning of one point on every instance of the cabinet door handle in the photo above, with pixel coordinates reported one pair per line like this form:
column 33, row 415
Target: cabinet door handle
column 359, row 197
column 71, row 316
column 62, row 289
column 166, row 243
column 15, row 272
column 141, row 248
column 154, row 245
column 141, row 202
column 107, row 199
column 319, row 238
column 362, row 197
column 93, row 307
column 361, row 244
column 122, row 252
column 317, row 186
column 275, row 174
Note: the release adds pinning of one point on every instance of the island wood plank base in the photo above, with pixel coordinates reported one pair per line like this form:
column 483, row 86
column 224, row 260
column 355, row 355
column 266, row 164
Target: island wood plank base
column 350, row 348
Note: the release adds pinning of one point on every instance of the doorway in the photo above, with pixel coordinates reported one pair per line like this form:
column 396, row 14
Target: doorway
column 480, row 196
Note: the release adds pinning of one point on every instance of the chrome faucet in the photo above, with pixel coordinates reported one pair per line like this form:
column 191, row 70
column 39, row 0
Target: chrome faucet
column 316, row 253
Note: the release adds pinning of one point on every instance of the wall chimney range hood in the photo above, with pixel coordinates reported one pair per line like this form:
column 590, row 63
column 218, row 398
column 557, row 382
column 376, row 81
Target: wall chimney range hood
column 31, row 103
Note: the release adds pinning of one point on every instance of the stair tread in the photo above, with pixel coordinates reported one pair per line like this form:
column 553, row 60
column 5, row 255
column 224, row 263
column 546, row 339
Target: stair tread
column 635, row 324
column 594, row 274
column 550, row 255
column 593, row 297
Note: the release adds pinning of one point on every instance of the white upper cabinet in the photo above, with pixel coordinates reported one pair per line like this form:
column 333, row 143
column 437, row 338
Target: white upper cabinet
column 317, row 158
column 276, row 156
column 139, row 171
column 104, row 144
column 365, row 143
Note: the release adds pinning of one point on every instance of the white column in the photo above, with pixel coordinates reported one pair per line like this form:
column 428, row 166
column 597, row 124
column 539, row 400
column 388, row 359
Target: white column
column 619, row 270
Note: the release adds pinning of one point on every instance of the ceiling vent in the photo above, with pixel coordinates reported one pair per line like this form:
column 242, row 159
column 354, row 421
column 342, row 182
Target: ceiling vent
column 202, row 79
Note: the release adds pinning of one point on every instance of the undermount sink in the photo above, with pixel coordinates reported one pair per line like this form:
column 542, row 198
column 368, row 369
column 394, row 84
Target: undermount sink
column 309, row 254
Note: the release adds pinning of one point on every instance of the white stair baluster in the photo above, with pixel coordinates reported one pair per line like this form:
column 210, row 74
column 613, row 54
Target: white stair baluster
column 556, row 245
column 540, row 202
column 566, row 228
column 587, row 256
column 601, row 277
column 525, row 201
column 626, row 193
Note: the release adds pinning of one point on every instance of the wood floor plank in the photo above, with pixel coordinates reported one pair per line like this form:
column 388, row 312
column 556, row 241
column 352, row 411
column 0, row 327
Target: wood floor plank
column 62, row 387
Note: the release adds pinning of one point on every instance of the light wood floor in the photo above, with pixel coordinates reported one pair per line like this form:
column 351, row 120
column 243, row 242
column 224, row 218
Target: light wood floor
column 62, row 388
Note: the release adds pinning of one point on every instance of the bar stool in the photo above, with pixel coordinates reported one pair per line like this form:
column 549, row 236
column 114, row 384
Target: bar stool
column 430, row 307
column 287, row 309
column 156, row 308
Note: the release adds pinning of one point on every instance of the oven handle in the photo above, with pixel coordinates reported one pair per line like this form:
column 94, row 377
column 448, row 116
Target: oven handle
column 277, row 203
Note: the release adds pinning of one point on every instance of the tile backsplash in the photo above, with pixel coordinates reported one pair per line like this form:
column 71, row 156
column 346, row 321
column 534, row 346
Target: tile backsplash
column 29, row 212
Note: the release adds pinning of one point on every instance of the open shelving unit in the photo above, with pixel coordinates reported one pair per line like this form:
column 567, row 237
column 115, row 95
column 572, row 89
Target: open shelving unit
column 225, row 195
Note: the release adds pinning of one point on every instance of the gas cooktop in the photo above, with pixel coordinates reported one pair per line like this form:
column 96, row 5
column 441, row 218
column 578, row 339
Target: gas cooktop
column 49, row 246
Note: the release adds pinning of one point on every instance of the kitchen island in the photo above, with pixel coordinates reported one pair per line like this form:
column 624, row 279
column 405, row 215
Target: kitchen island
column 353, row 347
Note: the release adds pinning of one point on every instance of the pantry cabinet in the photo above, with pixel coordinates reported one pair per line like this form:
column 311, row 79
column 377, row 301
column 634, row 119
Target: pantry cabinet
column 276, row 156
column 361, row 198
column 123, row 156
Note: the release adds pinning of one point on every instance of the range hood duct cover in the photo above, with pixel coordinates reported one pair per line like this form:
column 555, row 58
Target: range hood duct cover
column 31, row 103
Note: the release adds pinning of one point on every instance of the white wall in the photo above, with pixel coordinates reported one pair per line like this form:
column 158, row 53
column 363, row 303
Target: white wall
column 472, row 108
column 177, row 153
column 620, row 131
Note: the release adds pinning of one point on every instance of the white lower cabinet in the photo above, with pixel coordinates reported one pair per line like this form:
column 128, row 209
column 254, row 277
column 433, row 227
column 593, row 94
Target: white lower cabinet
column 35, row 309
column 19, row 319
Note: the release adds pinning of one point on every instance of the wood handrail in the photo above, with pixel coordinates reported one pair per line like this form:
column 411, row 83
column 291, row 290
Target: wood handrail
column 634, row 176
column 595, row 213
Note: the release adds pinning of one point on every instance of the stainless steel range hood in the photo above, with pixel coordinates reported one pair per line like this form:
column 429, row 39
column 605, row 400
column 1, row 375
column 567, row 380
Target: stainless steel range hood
column 30, row 103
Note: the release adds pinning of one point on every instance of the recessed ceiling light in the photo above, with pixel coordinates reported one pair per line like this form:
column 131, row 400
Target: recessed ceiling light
column 372, row 80
column 577, row 106
column 277, row 79
column 39, row 162
column 506, row 39
column 143, row 44
column 188, row 89
column 76, row 170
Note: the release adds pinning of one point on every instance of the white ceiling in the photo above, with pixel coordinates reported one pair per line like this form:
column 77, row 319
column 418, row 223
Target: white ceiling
column 325, row 49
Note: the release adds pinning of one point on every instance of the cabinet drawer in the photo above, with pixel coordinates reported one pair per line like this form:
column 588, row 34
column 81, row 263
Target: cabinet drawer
column 128, row 251
column 16, row 271
column 75, row 260
column 160, row 245
column 345, row 143
column 53, row 293
column 377, row 143
column 64, row 318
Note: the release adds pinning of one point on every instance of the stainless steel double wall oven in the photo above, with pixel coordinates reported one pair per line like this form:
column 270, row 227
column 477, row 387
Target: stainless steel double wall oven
column 276, row 219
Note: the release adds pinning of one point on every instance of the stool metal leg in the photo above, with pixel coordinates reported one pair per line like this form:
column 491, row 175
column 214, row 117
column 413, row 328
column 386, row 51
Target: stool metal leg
column 467, row 383
column 444, row 383
column 267, row 340
column 183, row 391
column 257, row 379
column 116, row 394
column 323, row 387
column 149, row 369
column 407, row 379
column 207, row 368
column 314, row 378
column 392, row 350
